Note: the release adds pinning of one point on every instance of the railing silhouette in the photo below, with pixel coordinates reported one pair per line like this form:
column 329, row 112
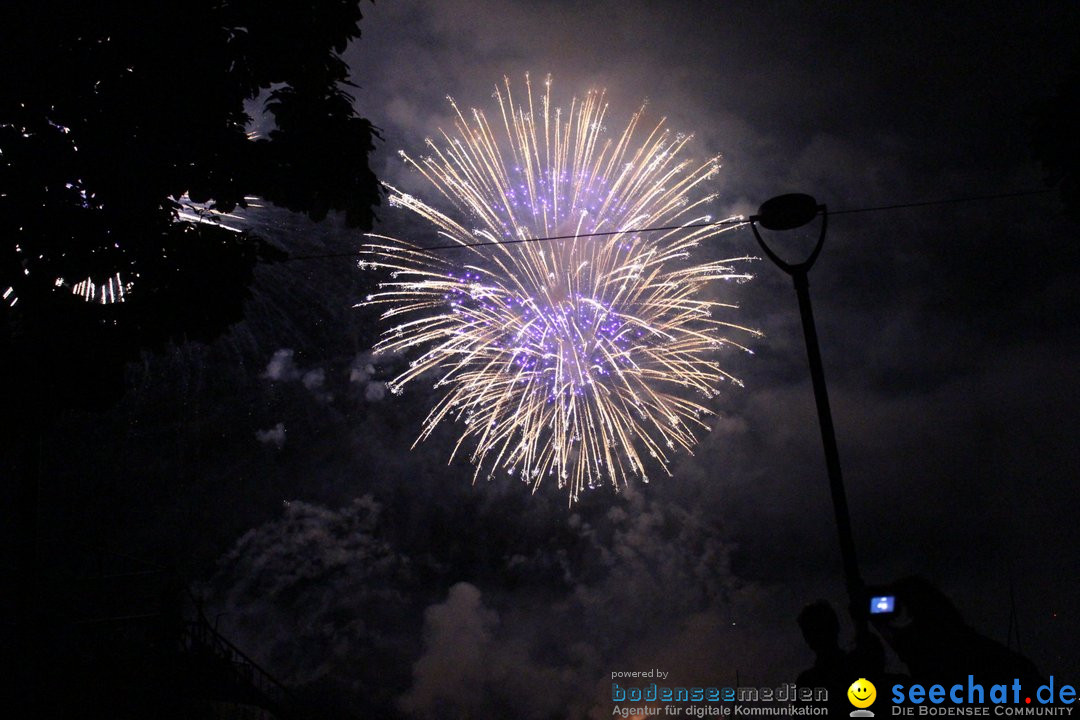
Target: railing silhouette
column 249, row 683
column 121, row 604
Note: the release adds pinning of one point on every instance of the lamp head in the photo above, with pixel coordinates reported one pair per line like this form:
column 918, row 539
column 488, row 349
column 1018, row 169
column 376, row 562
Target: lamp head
column 786, row 212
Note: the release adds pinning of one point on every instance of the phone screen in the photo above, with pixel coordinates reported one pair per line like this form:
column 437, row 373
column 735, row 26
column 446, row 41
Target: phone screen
column 882, row 604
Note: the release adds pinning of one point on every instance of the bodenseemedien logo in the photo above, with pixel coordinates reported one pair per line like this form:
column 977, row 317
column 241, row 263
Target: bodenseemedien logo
column 788, row 700
column 862, row 694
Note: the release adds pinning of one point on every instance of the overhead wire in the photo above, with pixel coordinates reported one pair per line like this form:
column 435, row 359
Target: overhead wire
column 717, row 223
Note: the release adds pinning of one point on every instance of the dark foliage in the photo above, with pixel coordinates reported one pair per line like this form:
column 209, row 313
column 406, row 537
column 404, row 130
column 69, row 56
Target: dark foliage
column 112, row 114
column 1056, row 141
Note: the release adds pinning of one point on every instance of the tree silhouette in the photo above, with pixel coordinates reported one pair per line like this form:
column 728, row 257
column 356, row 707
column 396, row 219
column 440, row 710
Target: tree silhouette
column 113, row 114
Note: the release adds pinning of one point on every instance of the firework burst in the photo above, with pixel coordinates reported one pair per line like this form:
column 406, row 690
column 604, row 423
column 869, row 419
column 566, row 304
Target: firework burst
column 584, row 359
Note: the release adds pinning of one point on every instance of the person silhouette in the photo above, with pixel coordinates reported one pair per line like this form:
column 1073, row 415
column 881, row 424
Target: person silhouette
column 832, row 667
column 930, row 636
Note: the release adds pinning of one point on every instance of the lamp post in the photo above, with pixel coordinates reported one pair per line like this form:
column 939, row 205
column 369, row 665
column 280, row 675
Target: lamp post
column 787, row 212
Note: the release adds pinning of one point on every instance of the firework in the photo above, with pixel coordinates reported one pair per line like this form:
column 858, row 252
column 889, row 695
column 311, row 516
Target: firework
column 584, row 359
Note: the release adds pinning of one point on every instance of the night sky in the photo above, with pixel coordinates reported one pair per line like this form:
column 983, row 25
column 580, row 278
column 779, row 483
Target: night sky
column 274, row 470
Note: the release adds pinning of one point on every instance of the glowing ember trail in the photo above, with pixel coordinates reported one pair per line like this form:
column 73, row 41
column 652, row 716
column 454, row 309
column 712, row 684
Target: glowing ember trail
column 573, row 358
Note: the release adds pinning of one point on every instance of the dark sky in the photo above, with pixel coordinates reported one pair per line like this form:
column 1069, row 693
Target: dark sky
column 346, row 561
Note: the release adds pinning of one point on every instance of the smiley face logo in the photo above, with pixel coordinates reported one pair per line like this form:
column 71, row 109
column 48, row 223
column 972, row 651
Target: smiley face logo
column 862, row 693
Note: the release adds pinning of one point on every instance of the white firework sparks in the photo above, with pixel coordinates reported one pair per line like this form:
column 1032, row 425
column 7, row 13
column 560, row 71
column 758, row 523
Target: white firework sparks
column 586, row 358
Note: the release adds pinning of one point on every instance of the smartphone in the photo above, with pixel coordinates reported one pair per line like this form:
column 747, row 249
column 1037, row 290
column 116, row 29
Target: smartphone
column 882, row 604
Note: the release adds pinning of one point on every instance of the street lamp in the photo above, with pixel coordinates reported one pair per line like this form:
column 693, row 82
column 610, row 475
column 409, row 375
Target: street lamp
column 787, row 212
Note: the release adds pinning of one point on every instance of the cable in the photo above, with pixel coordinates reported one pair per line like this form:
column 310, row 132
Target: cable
column 1020, row 193
column 851, row 211
column 457, row 246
